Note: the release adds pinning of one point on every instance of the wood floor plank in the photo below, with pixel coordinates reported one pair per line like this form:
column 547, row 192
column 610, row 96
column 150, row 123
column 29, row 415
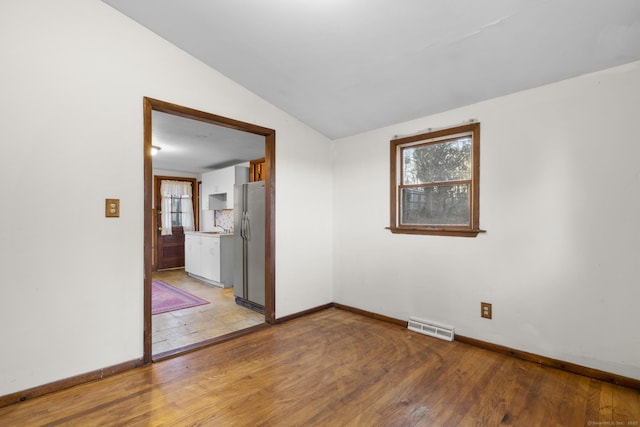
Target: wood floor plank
column 625, row 409
column 335, row 368
column 491, row 405
column 176, row 329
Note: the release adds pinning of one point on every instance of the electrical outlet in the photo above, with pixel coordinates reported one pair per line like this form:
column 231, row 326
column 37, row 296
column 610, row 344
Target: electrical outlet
column 485, row 310
column 112, row 208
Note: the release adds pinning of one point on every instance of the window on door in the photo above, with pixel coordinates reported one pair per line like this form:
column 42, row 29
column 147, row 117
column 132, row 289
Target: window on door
column 176, row 206
column 177, row 210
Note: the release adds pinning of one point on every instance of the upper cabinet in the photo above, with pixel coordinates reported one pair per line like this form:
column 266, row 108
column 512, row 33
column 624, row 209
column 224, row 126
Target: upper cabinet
column 217, row 186
column 257, row 170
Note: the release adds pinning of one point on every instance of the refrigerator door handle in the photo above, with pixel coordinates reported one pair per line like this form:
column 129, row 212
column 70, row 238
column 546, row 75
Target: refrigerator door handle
column 242, row 226
column 243, row 229
column 247, row 228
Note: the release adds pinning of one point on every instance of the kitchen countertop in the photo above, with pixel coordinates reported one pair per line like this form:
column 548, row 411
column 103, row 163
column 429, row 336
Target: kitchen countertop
column 209, row 233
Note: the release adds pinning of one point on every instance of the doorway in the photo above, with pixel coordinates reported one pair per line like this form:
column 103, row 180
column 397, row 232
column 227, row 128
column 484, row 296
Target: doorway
column 149, row 106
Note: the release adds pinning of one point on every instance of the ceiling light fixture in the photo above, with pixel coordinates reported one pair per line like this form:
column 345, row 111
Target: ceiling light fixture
column 154, row 150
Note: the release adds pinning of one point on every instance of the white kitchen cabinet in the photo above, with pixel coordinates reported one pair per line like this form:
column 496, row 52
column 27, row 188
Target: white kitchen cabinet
column 192, row 244
column 217, row 186
column 209, row 257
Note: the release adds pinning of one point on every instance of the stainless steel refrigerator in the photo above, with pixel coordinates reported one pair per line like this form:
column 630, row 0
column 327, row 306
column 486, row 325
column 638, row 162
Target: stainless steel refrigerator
column 249, row 245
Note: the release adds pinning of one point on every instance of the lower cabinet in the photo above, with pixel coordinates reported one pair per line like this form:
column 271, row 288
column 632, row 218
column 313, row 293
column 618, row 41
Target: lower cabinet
column 208, row 257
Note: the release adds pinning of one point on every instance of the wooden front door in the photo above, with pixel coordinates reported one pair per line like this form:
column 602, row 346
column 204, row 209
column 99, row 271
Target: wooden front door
column 169, row 251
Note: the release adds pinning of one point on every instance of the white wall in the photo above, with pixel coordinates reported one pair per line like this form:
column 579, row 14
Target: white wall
column 73, row 76
column 559, row 198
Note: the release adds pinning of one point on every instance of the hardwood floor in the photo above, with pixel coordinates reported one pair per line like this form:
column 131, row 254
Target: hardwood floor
column 336, row 368
column 181, row 328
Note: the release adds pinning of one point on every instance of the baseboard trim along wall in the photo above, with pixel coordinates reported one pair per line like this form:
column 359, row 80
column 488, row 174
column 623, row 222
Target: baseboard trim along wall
column 21, row 396
column 371, row 315
column 98, row 374
column 530, row 357
column 60, row 385
column 303, row 313
column 554, row 363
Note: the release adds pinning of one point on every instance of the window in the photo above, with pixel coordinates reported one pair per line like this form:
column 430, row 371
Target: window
column 176, row 209
column 435, row 182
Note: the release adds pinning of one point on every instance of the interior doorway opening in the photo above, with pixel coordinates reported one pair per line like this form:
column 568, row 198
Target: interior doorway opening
column 267, row 172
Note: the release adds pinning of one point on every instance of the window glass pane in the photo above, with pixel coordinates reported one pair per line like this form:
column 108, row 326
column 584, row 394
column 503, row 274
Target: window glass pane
column 437, row 205
column 176, row 209
column 439, row 162
column 175, row 204
column 175, row 219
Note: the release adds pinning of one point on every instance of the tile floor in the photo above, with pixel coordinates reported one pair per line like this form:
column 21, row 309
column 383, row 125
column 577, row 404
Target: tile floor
column 180, row 328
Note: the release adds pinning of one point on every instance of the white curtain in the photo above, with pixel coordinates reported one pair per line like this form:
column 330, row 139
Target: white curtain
column 183, row 191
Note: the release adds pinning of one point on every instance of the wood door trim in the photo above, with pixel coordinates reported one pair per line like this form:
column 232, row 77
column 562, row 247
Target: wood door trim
column 150, row 105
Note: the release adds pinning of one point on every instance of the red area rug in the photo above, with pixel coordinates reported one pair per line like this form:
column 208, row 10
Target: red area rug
column 165, row 297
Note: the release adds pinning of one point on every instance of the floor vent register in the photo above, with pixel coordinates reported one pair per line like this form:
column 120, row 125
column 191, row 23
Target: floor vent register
column 428, row 327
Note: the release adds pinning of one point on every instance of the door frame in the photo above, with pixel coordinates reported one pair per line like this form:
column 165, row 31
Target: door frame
column 150, row 105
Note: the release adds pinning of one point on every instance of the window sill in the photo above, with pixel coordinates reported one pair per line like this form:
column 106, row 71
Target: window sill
column 436, row 231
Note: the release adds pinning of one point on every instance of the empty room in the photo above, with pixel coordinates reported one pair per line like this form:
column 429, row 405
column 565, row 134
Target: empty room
column 449, row 204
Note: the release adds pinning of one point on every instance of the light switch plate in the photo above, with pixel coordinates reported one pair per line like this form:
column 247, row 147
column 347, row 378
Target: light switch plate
column 112, row 208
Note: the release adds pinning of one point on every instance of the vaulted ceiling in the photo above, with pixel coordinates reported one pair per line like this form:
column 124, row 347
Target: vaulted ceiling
column 348, row 66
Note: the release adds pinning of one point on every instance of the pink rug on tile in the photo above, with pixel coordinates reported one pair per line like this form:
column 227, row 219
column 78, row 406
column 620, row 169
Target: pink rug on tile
column 165, row 297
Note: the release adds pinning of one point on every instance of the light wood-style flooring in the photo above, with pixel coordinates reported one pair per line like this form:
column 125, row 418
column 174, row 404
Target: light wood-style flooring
column 336, row 368
column 181, row 328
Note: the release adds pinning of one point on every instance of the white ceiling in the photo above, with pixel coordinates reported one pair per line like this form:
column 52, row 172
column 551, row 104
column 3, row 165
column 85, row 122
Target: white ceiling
column 193, row 146
column 348, row 66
